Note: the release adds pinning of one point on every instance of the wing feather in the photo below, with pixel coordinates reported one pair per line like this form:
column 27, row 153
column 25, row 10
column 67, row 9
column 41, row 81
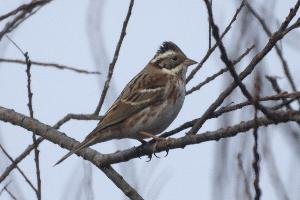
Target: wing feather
column 143, row 90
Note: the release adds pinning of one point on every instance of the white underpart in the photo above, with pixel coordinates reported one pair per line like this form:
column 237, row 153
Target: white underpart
column 164, row 55
column 174, row 70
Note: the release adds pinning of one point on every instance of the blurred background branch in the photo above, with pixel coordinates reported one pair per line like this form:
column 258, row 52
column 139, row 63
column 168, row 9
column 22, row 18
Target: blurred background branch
column 249, row 38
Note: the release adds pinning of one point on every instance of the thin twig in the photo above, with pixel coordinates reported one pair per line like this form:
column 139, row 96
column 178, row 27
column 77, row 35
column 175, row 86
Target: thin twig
column 277, row 89
column 230, row 108
column 24, row 13
column 29, row 104
column 50, row 65
column 246, row 182
column 250, row 67
column 273, row 171
column 77, row 117
column 211, row 50
column 5, row 188
column 256, row 156
column 219, row 73
column 18, row 159
column 27, row 6
column 278, row 50
column 21, row 172
column 115, row 58
column 36, row 150
column 209, row 29
column 230, row 66
column 6, row 185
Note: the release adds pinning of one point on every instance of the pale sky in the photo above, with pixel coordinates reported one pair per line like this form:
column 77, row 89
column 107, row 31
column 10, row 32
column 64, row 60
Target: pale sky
column 58, row 33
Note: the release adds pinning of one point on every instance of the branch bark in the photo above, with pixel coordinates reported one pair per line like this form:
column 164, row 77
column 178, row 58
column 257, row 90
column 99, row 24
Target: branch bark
column 64, row 141
column 101, row 160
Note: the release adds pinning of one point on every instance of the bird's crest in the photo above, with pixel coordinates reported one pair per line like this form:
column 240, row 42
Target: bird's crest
column 166, row 46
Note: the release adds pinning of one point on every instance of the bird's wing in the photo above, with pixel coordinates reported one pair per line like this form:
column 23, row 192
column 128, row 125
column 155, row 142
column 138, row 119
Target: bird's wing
column 142, row 91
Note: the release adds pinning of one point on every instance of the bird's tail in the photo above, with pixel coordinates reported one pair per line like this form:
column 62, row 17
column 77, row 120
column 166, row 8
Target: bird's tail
column 80, row 146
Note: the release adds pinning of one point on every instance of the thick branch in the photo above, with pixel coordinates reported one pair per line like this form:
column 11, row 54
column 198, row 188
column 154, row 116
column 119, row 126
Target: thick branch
column 101, row 160
column 64, row 141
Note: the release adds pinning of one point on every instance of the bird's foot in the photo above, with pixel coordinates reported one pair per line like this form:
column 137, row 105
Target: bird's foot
column 154, row 142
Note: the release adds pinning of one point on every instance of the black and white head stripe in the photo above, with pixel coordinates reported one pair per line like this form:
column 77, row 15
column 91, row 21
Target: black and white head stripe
column 167, row 46
column 166, row 50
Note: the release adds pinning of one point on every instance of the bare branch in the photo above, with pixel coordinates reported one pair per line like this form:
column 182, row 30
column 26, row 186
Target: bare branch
column 256, row 159
column 277, row 89
column 256, row 59
column 246, row 182
column 278, row 50
column 101, row 160
column 28, row 150
column 23, row 155
column 21, row 172
column 5, row 188
column 211, row 50
column 28, row 7
column 36, row 150
column 29, row 104
column 219, row 73
column 115, row 58
column 230, row 108
column 77, row 117
column 50, row 65
column 64, row 141
column 230, row 66
column 24, row 13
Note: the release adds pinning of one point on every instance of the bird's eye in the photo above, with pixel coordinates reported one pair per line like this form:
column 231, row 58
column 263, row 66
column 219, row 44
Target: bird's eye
column 174, row 58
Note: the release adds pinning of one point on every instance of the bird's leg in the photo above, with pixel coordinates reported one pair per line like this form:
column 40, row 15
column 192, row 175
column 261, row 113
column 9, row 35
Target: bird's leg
column 154, row 137
column 157, row 139
column 139, row 148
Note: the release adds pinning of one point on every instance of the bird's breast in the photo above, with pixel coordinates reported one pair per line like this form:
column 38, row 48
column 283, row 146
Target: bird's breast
column 156, row 118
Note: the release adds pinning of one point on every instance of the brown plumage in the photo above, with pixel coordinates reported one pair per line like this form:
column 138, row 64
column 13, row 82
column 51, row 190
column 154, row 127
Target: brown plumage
column 148, row 103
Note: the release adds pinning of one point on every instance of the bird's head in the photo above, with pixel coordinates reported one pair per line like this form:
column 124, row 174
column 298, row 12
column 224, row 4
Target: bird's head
column 171, row 59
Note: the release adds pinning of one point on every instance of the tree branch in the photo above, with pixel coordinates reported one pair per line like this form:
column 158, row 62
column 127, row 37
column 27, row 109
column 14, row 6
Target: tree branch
column 278, row 35
column 100, row 160
column 50, row 65
column 57, row 137
column 211, row 50
column 115, row 58
column 24, row 13
column 21, row 172
column 219, row 73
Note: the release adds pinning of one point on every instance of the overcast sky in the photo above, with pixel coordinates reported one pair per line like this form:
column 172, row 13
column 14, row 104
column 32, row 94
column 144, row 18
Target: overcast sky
column 59, row 33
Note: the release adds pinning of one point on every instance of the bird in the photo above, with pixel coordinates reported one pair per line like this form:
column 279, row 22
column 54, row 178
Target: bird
column 148, row 104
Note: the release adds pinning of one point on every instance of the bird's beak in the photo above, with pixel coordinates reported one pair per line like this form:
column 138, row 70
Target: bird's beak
column 189, row 62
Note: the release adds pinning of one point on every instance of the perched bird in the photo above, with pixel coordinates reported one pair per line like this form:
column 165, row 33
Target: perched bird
column 148, row 104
